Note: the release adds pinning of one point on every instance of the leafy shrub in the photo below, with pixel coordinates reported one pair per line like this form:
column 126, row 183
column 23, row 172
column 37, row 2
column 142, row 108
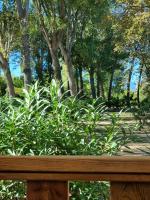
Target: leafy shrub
column 44, row 124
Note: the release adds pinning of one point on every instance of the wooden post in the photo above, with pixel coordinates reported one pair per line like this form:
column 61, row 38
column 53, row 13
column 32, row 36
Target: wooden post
column 130, row 191
column 47, row 190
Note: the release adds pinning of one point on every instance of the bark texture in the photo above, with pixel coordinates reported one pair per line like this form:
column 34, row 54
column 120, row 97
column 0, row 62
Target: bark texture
column 110, row 85
column 100, row 86
column 81, row 90
column 92, row 82
column 23, row 12
column 139, row 83
column 70, row 71
column 7, row 74
column 129, row 82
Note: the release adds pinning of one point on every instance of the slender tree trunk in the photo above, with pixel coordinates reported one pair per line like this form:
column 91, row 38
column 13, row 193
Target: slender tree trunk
column 53, row 39
column 68, row 88
column 98, row 82
column 77, row 79
column 100, row 86
column 49, row 66
column 70, row 71
column 9, row 80
column 23, row 12
column 147, row 72
column 56, row 66
column 102, row 89
column 26, row 56
column 53, row 49
column 139, row 83
column 92, row 82
column 129, row 82
column 7, row 75
column 81, row 81
column 39, row 67
column 57, row 69
column 110, row 85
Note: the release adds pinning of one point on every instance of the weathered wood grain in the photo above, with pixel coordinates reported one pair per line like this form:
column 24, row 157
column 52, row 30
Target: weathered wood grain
column 130, row 191
column 77, row 164
column 76, row 176
column 47, row 190
column 47, row 176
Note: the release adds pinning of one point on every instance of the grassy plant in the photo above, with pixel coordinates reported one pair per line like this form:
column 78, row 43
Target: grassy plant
column 43, row 124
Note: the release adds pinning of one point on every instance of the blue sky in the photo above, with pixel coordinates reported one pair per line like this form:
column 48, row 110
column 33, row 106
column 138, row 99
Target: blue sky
column 14, row 63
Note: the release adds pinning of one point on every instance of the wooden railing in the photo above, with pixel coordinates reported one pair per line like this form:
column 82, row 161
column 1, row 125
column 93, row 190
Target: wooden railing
column 47, row 177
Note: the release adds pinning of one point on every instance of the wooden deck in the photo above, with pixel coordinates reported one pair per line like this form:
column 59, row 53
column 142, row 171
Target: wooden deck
column 47, row 177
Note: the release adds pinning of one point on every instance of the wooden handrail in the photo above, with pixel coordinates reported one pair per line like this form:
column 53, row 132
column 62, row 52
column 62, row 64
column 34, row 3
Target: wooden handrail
column 52, row 174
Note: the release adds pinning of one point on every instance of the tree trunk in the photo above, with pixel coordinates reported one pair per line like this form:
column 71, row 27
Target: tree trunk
column 26, row 57
column 23, row 16
column 49, row 66
column 77, row 79
column 9, row 80
column 68, row 88
column 110, row 85
column 100, row 87
column 129, row 82
column 93, row 91
column 70, row 71
column 56, row 68
column 39, row 67
column 139, row 83
column 146, row 64
column 53, row 40
column 98, row 81
column 7, row 75
column 81, row 92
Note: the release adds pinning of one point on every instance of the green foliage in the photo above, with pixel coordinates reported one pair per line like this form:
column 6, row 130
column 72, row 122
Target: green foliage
column 142, row 112
column 91, row 191
column 18, row 82
column 8, row 28
column 44, row 124
column 3, row 87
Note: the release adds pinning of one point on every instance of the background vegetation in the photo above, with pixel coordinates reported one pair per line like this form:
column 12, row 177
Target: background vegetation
column 80, row 61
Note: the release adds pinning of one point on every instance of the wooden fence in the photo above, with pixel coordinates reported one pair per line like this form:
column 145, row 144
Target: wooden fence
column 47, row 177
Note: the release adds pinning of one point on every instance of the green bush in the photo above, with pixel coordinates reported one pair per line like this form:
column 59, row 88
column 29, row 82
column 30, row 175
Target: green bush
column 44, row 124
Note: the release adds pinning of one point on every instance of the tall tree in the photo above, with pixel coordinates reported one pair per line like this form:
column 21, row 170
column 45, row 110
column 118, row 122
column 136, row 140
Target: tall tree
column 133, row 22
column 23, row 12
column 50, row 14
column 8, row 30
column 71, row 16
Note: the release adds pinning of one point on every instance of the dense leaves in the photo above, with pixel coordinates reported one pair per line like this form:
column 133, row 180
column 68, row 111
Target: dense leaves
column 43, row 124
